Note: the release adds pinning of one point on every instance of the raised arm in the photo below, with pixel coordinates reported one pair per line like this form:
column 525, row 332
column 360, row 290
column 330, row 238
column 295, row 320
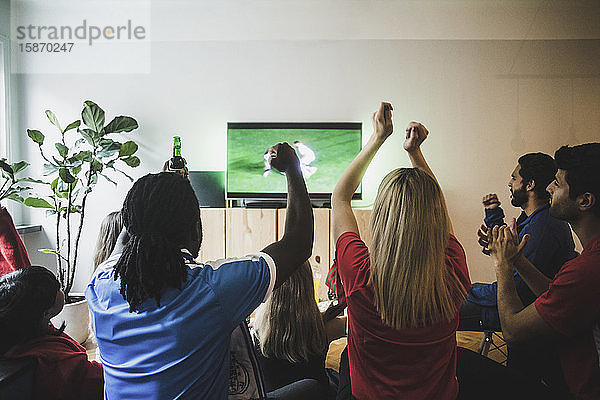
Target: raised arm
column 342, row 217
column 416, row 133
column 295, row 246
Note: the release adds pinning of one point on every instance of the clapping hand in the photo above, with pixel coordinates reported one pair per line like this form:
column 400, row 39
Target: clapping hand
column 416, row 133
column 504, row 245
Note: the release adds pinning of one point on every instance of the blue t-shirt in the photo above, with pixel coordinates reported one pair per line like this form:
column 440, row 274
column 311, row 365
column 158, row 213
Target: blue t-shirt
column 179, row 350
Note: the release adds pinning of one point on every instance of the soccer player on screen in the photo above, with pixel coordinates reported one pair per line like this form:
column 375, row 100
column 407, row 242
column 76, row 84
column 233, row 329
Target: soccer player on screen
column 307, row 156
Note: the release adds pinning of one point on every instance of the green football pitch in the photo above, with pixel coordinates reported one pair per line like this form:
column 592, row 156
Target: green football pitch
column 334, row 150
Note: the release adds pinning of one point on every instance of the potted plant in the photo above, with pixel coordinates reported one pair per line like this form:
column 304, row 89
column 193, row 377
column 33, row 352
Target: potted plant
column 84, row 151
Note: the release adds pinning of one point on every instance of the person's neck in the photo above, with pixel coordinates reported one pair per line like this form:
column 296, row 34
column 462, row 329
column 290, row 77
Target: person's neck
column 587, row 227
column 533, row 204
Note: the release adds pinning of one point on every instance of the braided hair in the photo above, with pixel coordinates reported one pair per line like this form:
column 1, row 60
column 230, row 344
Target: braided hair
column 161, row 215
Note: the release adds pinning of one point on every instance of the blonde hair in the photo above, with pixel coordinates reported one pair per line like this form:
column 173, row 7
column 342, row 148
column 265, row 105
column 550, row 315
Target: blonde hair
column 412, row 285
column 110, row 229
column 289, row 325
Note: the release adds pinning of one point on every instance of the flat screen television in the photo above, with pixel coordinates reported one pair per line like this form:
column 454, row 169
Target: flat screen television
column 325, row 149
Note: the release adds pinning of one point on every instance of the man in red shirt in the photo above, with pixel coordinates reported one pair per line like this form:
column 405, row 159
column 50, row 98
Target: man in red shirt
column 567, row 307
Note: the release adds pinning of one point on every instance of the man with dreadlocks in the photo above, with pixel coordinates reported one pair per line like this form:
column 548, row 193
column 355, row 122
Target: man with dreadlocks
column 163, row 328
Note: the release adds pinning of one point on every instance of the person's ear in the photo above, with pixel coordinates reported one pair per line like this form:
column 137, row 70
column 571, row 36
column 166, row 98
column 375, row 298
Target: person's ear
column 530, row 185
column 586, row 201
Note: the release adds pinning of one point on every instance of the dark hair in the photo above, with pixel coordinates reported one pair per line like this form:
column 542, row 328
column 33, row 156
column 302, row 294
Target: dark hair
column 582, row 170
column 25, row 296
column 540, row 168
column 161, row 215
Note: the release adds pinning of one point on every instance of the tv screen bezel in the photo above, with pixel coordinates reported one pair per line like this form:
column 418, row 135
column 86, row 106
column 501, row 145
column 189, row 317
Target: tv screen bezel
column 287, row 125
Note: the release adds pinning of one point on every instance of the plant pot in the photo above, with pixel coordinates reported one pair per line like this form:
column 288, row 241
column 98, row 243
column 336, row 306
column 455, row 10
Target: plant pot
column 76, row 317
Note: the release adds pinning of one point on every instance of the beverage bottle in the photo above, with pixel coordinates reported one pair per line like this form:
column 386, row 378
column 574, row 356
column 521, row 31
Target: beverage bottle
column 176, row 163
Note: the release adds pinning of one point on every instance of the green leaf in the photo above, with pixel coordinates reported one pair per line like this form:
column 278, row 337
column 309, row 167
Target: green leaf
column 37, row 203
column 93, row 116
column 75, row 171
column 36, row 136
column 85, row 156
column 54, row 184
column 49, row 169
column 49, row 251
column 79, row 142
column 72, row 125
column 15, row 197
column 19, row 166
column 109, row 149
column 128, row 148
column 7, row 168
column 132, row 161
column 66, row 176
column 121, row 124
column 31, row 180
column 53, row 119
column 62, row 149
column 96, row 166
column 88, row 135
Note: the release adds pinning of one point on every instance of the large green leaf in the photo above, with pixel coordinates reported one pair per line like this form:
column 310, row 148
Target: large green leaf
column 132, row 161
column 53, row 119
column 37, row 203
column 66, row 176
column 72, row 125
column 36, row 136
column 62, row 149
column 121, row 124
column 19, row 166
column 128, row 148
column 93, row 116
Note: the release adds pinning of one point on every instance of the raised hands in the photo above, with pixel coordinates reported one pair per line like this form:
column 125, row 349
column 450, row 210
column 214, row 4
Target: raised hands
column 284, row 157
column 504, row 245
column 382, row 121
column 416, row 133
column 490, row 201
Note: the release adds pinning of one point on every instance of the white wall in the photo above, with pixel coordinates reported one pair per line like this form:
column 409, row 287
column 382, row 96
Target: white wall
column 492, row 80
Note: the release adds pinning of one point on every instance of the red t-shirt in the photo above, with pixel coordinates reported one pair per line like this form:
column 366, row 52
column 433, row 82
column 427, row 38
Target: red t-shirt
column 571, row 306
column 385, row 363
column 63, row 369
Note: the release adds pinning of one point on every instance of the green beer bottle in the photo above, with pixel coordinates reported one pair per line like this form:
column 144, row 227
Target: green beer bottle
column 176, row 162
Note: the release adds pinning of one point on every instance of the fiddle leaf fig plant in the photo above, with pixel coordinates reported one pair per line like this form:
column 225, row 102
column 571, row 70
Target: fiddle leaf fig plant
column 10, row 185
column 83, row 151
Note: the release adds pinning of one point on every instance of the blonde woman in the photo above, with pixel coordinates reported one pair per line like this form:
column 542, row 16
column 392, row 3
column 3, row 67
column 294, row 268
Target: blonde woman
column 110, row 229
column 291, row 339
column 404, row 292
